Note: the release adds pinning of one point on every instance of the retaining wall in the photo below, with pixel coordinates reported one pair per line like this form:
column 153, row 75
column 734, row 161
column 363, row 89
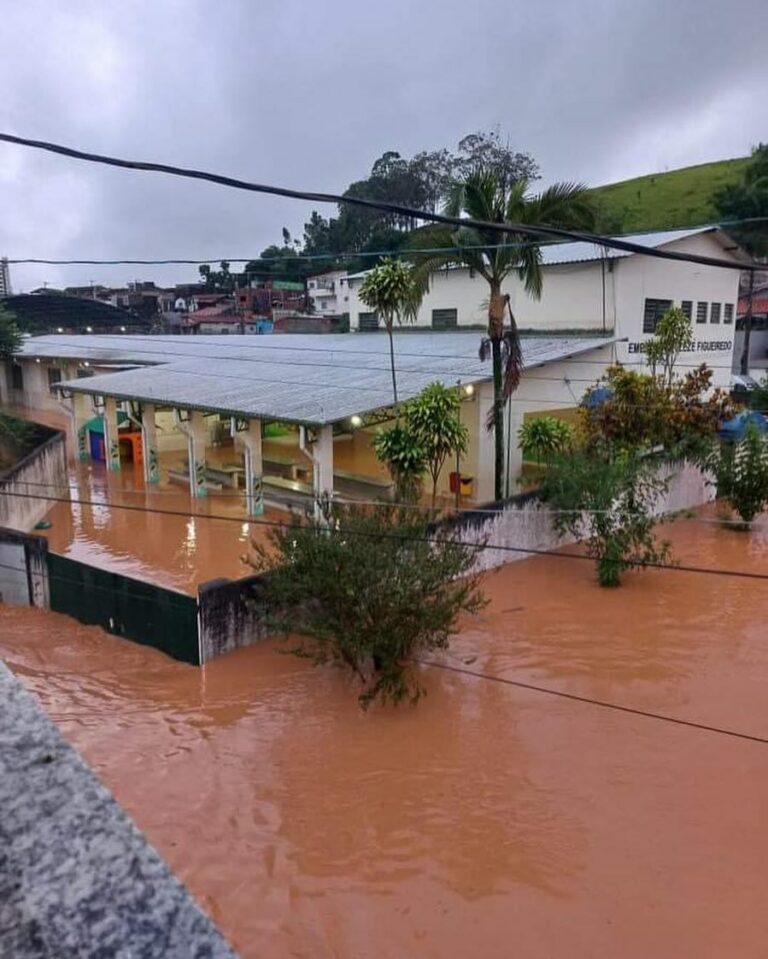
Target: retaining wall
column 23, row 569
column 42, row 470
column 231, row 615
column 525, row 523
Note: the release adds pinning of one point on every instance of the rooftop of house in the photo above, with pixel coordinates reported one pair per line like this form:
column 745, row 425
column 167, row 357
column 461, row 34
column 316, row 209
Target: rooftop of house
column 302, row 378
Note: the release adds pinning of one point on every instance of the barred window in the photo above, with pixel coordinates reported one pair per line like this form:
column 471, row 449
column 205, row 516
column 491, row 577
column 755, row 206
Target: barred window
column 687, row 308
column 701, row 312
column 714, row 316
column 728, row 313
column 368, row 322
column 654, row 310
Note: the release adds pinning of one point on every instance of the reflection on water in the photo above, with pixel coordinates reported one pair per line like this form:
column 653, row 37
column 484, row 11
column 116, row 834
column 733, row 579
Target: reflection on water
column 489, row 820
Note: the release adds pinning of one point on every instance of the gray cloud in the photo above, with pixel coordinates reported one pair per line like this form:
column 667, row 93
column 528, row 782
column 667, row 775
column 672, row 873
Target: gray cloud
column 309, row 94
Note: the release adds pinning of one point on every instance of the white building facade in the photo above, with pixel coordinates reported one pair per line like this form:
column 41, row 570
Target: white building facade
column 327, row 292
column 590, row 290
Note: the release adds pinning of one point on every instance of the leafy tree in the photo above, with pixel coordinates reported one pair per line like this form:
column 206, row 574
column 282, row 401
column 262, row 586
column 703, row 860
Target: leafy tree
column 400, row 450
column 544, row 437
column 10, row 337
column 493, row 255
column 220, row 280
column 612, row 499
column 740, row 473
column 673, row 336
column 642, row 412
column 746, row 200
column 368, row 590
column 433, row 419
column 486, row 151
column 394, row 291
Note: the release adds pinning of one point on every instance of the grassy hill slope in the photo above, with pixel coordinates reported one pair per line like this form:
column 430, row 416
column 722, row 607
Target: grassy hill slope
column 661, row 201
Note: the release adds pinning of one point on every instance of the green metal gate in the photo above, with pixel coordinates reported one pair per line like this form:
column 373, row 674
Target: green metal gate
column 126, row 607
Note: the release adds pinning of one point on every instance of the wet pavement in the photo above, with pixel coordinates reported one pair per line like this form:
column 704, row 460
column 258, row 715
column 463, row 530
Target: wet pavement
column 490, row 820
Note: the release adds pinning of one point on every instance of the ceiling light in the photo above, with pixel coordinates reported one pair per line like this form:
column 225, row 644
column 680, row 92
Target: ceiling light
column 469, row 389
column 86, row 363
column 89, row 329
column 356, row 421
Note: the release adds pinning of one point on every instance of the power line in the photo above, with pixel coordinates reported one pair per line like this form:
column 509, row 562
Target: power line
column 523, row 229
column 529, row 551
column 574, row 697
column 360, row 254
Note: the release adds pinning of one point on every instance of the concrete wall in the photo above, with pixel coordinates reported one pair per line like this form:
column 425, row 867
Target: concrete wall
column 525, row 523
column 44, row 470
column 23, row 569
column 230, row 616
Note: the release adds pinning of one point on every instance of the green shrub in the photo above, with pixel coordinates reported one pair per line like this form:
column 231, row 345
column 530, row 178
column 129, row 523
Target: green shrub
column 740, row 472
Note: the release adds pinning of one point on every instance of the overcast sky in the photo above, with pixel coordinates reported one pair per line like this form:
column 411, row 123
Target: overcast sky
column 307, row 93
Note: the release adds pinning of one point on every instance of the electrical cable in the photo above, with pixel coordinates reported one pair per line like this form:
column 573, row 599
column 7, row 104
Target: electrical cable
column 354, row 255
column 588, row 700
column 524, row 229
column 530, row 551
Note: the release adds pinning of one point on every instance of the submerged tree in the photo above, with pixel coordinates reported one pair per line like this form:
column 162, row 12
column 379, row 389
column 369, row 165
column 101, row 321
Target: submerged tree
column 609, row 503
column 494, row 254
column 740, row 472
column 369, row 590
column 394, row 291
column 403, row 455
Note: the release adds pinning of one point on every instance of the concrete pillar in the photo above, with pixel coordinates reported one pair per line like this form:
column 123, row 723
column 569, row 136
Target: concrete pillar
column 80, row 412
column 254, row 485
column 485, row 445
column 513, row 455
column 111, row 439
column 149, row 443
column 196, row 436
column 322, row 465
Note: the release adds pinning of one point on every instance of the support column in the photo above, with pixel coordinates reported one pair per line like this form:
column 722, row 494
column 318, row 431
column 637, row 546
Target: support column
column 149, row 443
column 254, row 485
column 513, row 455
column 485, row 445
column 111, row 440
column 322, row 472
column 80, row 412
column 196, row 435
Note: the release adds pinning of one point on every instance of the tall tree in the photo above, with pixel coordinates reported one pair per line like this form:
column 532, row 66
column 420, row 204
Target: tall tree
column 748, row 200
column 494, row 255
column 394, row 291
column 10, row 337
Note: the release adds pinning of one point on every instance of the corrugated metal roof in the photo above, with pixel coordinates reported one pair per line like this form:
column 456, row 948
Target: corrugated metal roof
column 308, row 378
column 578, row 252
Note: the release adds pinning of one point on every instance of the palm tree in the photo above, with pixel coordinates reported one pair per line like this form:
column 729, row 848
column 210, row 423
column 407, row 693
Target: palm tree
column 494, row 254
column 394, row 291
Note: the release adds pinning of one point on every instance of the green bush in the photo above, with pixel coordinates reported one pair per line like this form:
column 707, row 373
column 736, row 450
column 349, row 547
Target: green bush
column 544, row 437
column 740, row 472
column 369, row 590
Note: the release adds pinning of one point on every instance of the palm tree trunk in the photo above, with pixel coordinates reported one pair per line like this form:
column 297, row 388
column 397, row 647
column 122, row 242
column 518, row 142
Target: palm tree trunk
column 392, row 362
column 495, row 334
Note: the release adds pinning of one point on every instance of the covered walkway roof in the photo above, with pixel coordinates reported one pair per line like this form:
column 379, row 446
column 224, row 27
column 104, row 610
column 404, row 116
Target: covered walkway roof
column 301, row 378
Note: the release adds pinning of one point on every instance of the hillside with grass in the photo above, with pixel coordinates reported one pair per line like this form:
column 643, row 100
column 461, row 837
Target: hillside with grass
column 661, row 201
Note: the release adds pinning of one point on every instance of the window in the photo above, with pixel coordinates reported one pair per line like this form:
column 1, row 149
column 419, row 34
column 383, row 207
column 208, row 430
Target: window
column 687, row 308
column 54, row 376
column 368, row 322
column 445, row 319
column 714, row 316
column 17, row 377
column 654, row 310
column 728, row 313
column 701, row 312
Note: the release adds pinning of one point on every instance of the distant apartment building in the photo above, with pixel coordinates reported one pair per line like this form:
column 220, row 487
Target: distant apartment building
column 5, row 277
column 327, row 292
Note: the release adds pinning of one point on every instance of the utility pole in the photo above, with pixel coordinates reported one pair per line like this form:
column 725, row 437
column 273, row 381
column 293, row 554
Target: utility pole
column 747, row 326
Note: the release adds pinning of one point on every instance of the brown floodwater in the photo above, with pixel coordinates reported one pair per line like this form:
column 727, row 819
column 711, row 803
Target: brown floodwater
column 489, row 820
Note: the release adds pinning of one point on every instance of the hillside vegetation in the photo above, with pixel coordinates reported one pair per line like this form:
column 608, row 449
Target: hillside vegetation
column 661, row 201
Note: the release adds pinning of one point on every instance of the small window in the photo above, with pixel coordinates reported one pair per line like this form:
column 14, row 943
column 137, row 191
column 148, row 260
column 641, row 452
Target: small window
column 701, row 312
column 368, row 322
column 54, row 377
column 17, row 377
column 714, row 316
column 687, row 308
column 728, row 313
column 445, row 319
column 654, row 310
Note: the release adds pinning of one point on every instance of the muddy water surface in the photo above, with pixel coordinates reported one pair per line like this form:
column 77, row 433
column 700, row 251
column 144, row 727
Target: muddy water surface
column 490, row 820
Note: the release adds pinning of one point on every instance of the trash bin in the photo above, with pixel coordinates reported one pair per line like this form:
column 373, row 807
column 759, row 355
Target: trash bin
column 467, row 483
column 459, row 483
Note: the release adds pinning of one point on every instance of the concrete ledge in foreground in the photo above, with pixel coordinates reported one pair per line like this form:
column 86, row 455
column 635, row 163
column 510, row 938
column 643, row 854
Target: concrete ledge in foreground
column 77, row 879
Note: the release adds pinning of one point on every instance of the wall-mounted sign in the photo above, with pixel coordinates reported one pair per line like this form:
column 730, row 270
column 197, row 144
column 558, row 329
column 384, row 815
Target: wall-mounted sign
column 699, row 346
